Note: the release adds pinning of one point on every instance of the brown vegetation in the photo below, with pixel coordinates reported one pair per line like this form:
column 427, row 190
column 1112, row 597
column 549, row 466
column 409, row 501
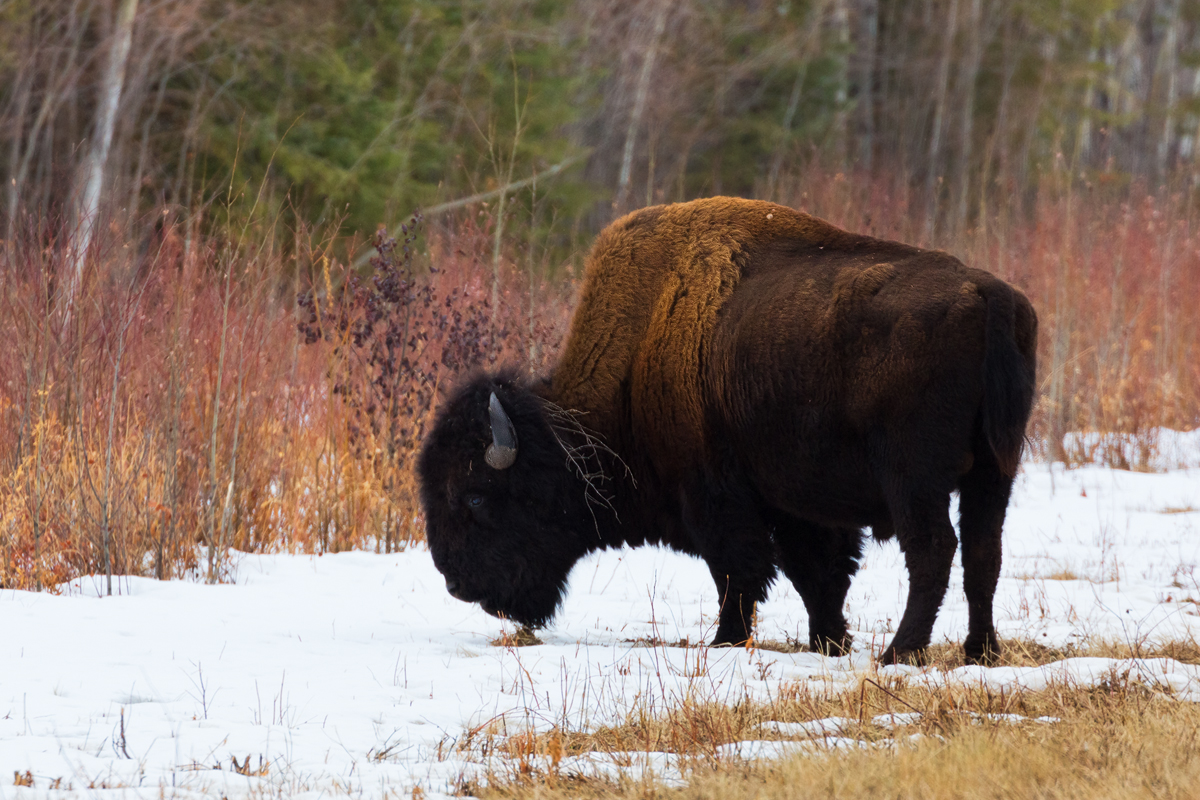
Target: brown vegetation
column 177, row 414
column 1126, row 736
column 179, row 406
column 1113, row 280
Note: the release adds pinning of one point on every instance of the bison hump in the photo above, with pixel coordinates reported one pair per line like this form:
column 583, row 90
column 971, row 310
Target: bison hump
column 653, row 286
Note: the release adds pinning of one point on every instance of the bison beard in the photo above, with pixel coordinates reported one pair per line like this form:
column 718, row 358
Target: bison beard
column 752, row 386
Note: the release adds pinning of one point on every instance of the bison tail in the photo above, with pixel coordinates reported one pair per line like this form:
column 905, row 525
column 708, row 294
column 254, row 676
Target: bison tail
column 1009, row 380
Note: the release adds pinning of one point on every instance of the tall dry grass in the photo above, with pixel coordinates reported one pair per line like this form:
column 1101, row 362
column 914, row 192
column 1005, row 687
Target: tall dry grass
column 192, row 402
column 1110, row 742
column 1126, row 735
column 175, row 413
column 1115, row 279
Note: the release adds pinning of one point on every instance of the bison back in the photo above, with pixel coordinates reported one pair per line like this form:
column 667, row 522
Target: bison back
column 837, row 370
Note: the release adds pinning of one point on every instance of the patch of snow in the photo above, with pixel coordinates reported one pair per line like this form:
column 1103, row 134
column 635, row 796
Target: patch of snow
column 357, row 673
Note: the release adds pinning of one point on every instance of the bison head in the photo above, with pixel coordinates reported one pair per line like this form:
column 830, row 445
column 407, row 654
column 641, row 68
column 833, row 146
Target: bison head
column 500, row 503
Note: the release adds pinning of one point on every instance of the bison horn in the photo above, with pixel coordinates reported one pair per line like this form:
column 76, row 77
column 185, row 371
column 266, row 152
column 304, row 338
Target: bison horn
column 502, row 452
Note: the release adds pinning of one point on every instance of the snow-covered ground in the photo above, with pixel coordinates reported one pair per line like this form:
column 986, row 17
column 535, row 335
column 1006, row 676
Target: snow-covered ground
column 358, row 674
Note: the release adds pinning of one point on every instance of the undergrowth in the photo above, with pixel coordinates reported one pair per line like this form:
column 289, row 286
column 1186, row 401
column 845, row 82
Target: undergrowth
column 200, row 398
column 203, row 395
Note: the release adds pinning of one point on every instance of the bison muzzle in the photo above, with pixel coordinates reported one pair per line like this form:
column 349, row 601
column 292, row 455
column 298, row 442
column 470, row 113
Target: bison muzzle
column 753, row 386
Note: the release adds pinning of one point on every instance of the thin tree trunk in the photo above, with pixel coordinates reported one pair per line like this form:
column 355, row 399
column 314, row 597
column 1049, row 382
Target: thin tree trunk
column 213, row 555
column 1049, row 52
column 106, row 117
column 1170, row 60
column 135, row 192
column 106, row 502
column 24, row 90
column 639, row 102
column 933, row 163
column 1008, row 69
column 789, row 114
column 866, row 38
column 51, row 97
column 840, row 20
column 1083, row 141
column 965, row 125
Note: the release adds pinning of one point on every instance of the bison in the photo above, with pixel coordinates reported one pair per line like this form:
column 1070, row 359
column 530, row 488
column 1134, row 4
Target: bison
column 754, row 386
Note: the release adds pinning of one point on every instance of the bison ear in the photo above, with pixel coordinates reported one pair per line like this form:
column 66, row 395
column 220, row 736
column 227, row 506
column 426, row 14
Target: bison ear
column 502, row 452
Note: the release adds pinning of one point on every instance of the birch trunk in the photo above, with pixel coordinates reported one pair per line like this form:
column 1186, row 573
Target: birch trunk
column 106, row 116
column 639, row 102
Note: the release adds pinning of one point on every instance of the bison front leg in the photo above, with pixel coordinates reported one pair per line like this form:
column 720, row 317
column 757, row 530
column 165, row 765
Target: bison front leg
column 927, row 539
column 820, row 561
column 739, row 594
column 735, row 542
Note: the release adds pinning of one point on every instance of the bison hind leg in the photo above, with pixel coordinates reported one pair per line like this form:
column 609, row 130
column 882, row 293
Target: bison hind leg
column 922, row 523
column 820, row 561
column 983, row 500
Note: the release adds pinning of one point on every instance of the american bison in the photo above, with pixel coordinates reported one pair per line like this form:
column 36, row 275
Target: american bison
column 753, row 386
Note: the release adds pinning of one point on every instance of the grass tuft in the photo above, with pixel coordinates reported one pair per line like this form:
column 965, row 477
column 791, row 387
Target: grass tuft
column 906, row 736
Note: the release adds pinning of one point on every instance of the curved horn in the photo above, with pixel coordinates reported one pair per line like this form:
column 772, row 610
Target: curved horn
column 502, row 452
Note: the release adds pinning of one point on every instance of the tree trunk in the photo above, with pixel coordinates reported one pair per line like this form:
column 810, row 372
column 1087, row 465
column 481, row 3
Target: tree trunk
column 639, row 102
column 933, row 162
column 1169, row 60
column 88, row 207
column 789, row 114
column 866, row 35
column 966, row 122
column 23, row 90
column 839, row 18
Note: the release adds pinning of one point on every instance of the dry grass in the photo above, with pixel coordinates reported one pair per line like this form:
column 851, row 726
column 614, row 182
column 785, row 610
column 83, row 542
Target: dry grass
column 903, row 738
column 1114, row 281
column 949, row 655
column 1105, row 746
column 521, row 637
column 176, row 414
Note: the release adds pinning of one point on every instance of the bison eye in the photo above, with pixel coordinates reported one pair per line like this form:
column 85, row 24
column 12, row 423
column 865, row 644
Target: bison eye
column 474, row 500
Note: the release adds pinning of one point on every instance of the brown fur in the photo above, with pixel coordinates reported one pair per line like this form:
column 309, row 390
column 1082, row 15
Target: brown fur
column 653, row 286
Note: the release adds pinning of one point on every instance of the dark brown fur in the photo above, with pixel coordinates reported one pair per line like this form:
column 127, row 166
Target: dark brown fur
column 766, row 385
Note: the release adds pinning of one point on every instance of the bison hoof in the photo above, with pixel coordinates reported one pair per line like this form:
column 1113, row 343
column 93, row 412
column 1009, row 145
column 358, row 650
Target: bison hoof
column 724, row 642
column 985, row 652
column 916, row 658
column 833, row 646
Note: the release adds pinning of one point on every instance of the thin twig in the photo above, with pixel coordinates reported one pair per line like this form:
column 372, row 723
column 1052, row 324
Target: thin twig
column 365, row 255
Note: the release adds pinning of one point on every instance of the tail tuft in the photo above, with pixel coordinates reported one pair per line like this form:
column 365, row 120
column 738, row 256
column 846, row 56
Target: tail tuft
column 1009, row 374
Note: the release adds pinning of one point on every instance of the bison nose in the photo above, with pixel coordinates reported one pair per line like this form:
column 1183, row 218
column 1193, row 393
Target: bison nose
column 452, row 587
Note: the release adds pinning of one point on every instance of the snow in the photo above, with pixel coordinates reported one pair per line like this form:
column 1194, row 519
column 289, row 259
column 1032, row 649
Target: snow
column 356, row 673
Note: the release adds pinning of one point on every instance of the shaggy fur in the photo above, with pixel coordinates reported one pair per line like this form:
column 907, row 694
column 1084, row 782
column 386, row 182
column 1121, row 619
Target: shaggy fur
column 754, row 386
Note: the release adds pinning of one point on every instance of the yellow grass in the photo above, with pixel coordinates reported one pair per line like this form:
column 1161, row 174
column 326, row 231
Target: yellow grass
column 1121, row 738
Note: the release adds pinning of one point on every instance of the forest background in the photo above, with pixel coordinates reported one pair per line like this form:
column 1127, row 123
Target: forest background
column 205, row 357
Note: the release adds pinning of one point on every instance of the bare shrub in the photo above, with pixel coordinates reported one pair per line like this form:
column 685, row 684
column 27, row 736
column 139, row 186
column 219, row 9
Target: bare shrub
column 177, row 417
